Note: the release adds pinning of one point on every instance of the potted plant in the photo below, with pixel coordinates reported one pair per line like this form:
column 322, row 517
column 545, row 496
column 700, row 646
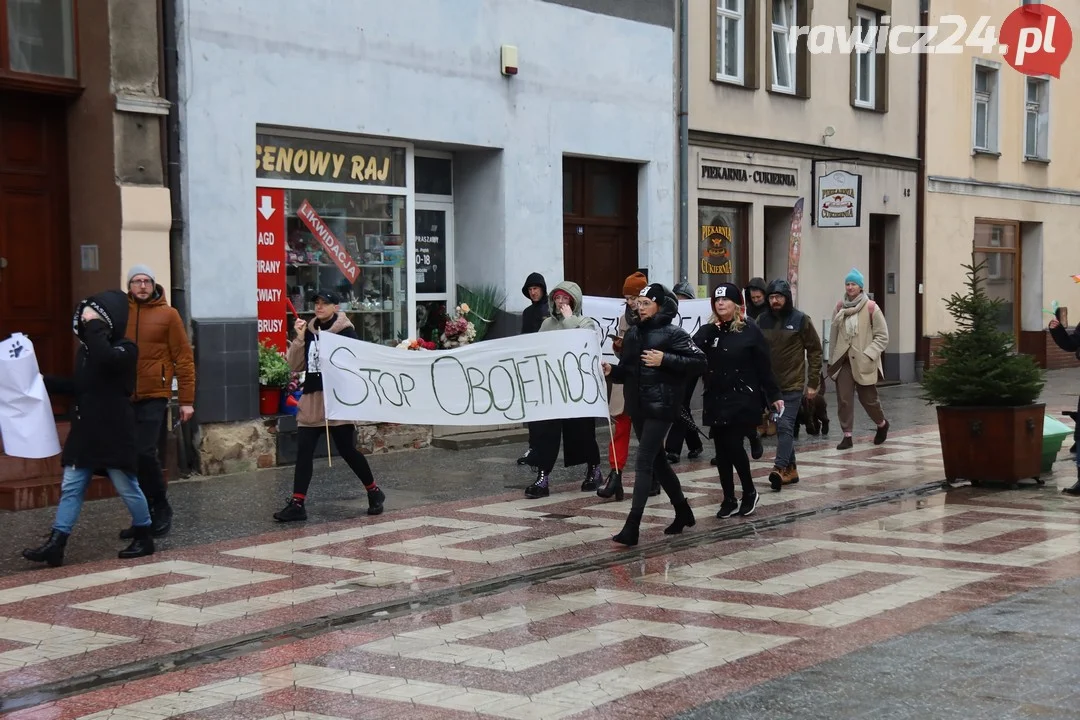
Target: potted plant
column 274, row 375
column 483, row 305
column 989, row 421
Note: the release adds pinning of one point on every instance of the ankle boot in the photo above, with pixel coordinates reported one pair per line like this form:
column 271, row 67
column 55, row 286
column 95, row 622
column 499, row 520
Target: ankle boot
column 539, row 488
column 141, row 546
column 684, row 518
column 613, row 486
column 1075, row 489
column 52, row 552
column 629, row 534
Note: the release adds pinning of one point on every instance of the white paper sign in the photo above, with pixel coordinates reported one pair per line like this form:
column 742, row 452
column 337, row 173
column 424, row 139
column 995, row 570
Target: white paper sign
column 26, row 417
column 539, row 376
column 606, row 312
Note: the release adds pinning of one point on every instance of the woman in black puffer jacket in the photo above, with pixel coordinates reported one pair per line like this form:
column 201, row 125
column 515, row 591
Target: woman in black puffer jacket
column 740, row 371
column 657, row 360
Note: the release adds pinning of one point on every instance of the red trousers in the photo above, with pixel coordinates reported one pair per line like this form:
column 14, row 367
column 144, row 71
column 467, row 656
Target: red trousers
column 620, row 448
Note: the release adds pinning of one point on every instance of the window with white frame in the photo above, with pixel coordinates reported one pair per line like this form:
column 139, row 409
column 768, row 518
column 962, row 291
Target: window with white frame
column 783, row 56
column 1037, row 118
column 730, row 51
column 866, row 58
column 985, row 108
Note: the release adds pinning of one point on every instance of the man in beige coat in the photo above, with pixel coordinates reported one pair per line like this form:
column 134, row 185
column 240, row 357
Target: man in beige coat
column 857, row 341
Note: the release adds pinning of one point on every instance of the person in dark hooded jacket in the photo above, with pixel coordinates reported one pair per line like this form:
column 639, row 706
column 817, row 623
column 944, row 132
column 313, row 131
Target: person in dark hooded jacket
column 658, row 358
column 532, row 317
column 679, row 432
column 756, row 295
column 102, row 435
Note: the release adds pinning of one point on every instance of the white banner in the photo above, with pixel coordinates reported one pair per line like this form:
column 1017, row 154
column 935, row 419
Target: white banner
column 606, row 312
column 26, row 416
column 540, row 376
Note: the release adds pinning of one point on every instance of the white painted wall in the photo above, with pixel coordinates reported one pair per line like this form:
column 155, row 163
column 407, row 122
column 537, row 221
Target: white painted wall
column 427, row 72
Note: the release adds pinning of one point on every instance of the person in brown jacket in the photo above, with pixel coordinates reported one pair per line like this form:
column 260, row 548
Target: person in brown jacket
column 303, row 356
column 164, row 353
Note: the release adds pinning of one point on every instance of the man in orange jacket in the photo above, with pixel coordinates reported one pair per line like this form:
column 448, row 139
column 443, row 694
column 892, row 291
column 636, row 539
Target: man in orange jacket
column 164, row 353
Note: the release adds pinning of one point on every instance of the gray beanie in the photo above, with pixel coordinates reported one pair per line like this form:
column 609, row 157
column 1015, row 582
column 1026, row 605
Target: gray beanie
column 141, row 270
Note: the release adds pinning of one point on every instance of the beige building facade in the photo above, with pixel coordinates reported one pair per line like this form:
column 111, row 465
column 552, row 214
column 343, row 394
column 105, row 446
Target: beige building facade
column 769, row 128
column 1002, row 182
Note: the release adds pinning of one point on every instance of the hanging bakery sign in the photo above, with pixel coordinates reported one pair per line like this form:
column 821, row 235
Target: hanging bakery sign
column 839, row 199
column 288, row 158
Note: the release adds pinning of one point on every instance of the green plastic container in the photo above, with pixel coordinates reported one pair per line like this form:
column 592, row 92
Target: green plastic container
column 1054, row 434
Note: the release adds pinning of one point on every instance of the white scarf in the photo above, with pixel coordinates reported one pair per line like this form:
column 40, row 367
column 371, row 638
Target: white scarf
column 848, row 316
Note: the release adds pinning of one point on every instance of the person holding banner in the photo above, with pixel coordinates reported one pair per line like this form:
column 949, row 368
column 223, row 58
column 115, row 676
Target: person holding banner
column 102, row 437
column 577, row 435
column 740, row 369
column 658, row 358
column 532, row 317
column 619, row 446
column 303, row 356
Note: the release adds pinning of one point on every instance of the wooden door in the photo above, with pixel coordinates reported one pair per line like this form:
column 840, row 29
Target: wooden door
column 599, row 224
column 35, row 285
column 875, row 276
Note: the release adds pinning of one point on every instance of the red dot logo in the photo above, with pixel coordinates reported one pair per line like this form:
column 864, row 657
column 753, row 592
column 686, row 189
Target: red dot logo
column 1036, row 39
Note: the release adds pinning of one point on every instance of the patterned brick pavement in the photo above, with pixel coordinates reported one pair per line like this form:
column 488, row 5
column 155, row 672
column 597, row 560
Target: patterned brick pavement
column 645, row 638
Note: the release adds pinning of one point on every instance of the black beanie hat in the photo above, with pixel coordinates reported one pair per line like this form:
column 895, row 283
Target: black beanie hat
column 730, row 291
column 655, row 292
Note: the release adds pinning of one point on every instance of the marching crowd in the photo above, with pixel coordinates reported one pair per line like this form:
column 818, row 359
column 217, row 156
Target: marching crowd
column 759, row 360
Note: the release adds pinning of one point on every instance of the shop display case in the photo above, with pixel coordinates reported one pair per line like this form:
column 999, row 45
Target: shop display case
column 370, row 231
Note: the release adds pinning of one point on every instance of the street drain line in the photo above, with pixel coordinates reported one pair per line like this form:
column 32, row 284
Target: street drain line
column 423, row 602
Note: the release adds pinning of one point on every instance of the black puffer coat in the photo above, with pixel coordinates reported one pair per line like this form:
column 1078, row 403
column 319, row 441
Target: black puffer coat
column 102, row 433
column 740, row 370
column 658, row 392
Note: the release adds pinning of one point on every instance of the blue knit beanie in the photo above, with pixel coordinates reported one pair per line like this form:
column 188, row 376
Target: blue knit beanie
column 855, row 277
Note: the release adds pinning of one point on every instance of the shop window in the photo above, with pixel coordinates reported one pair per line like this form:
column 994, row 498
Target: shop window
column 40, row 37
column 996, row 245
column 984, row 134
column 734, row 46
column 722, row 244
column 368, row 271
column 434, row 176
column 1037, row 119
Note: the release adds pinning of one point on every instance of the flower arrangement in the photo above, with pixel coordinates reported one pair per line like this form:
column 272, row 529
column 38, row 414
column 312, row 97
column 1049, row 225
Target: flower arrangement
column 416, row 344
column 458, row 330
column 484, row 304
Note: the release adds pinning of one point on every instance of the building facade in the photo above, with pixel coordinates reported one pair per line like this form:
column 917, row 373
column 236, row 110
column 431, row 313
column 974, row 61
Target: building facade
column 1002, row 185
column 83, row 177
column 804, row 160
column 393, row 151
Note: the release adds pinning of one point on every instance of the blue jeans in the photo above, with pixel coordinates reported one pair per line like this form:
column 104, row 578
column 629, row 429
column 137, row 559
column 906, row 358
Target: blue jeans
column 73, row 490
column 785, row 430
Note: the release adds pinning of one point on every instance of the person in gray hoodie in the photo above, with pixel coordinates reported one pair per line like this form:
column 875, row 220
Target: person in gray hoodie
column 577, row 435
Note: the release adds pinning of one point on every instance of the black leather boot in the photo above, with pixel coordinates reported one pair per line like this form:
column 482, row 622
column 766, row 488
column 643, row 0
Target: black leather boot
column 52, row 552
column 612, row 486
column 684, row 518
column 161, row 518
column 629, row 534
column 141, row 545
column 1075, row 489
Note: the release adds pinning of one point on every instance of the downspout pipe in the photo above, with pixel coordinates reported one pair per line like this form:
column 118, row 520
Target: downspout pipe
column 178, row 292
column 921, row 356
column 684, row 144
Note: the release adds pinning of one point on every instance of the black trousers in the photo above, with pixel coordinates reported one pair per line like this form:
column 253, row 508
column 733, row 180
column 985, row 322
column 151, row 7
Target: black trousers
column 149, row 421
column 731, row 458
column 679, row 433
column 578, row 439
column 652, row 463
column 344, row 437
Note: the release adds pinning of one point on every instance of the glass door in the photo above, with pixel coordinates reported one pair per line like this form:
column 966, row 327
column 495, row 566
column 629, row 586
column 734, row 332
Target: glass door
column 435, row 284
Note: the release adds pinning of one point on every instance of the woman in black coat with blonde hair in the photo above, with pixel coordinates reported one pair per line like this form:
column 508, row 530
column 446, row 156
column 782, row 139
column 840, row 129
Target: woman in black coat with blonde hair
column 739, row 369
column 658, row 358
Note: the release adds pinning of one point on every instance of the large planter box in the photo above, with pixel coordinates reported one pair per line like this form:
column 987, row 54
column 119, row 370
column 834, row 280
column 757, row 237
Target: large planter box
column 991, row 444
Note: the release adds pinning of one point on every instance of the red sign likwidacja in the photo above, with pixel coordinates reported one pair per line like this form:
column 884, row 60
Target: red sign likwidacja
column 337, row 252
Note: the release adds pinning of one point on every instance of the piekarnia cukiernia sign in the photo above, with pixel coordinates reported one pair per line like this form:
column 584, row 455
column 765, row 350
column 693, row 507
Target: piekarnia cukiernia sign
column 542, row 376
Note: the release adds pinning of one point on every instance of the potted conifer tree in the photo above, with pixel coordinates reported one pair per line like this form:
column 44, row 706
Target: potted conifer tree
column 986, row 394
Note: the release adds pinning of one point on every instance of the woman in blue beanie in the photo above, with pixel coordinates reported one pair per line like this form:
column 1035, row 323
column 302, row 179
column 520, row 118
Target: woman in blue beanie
column 857, row 341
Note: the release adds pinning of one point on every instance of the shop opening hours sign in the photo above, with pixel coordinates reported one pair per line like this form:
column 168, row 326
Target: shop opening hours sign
column 270, row 266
